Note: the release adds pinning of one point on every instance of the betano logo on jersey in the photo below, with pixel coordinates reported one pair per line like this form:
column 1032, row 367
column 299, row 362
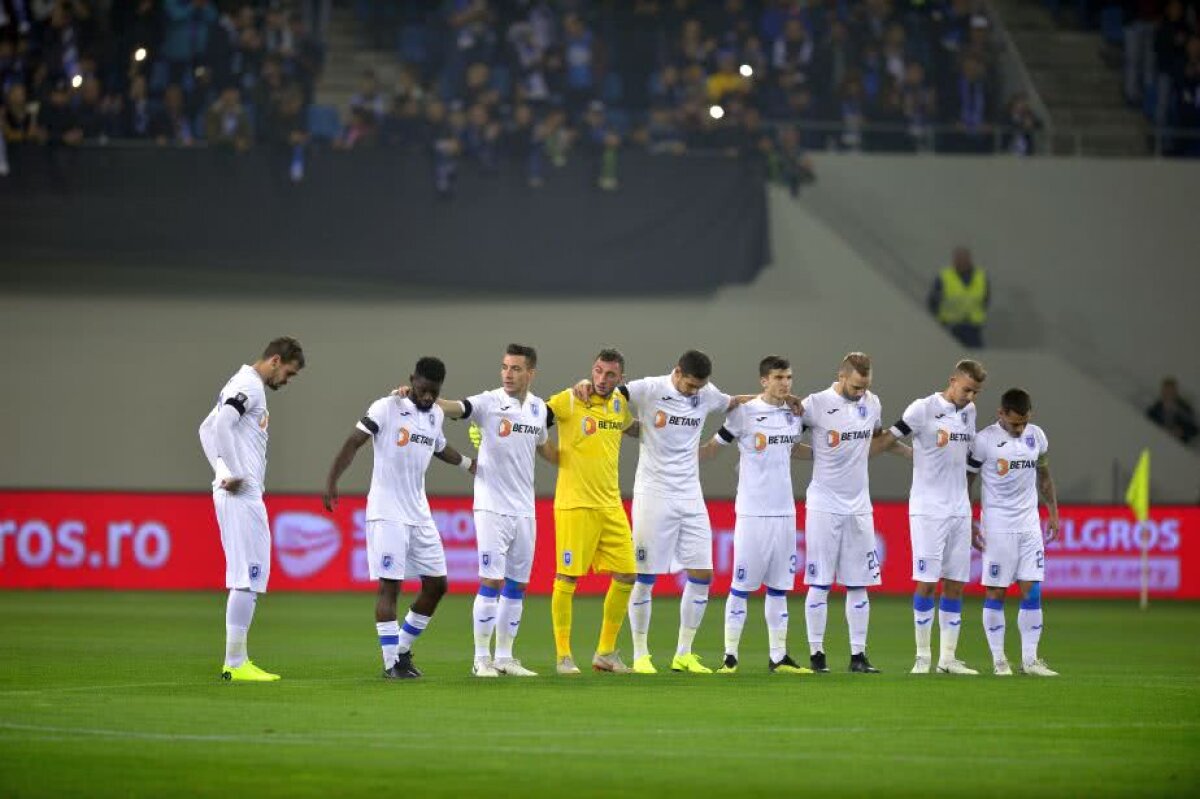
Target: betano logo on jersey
column 762, row 441
column 944, row 437
column 1003, row 466
column 591, row 425
column 834, row 438
column 507, row 428
column 662, row 419
column 405, row 437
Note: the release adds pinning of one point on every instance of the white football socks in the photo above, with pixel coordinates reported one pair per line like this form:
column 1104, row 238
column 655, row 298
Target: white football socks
column 483, row 618
column 239, row 613
column 1029, row 622
column 735, row 620
column 508, row 623
column 692, row 605
column 858, row 617
column 816, row 614
column 414, row 625
column 776, row 612
column 389, row 641
column 639, row 617
column 950, row 622
column 993, row 627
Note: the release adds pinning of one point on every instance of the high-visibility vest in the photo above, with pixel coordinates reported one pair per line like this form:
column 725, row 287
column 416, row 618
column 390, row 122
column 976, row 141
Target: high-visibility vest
column 963, row 302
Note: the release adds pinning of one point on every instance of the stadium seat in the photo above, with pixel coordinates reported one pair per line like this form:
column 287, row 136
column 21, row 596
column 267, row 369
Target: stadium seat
column 323, row 122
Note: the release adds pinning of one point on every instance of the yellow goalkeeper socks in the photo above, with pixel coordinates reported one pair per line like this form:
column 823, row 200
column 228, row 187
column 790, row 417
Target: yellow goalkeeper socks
column 616, row 603
column 560, row 615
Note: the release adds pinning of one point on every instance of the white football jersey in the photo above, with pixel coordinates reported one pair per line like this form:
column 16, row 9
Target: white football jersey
column 841, row 442
column 1008, row 467
column 765, row 435
column 511, row 432
column 668, row 458
column 941, row 438
column 246, row 393
column 404, row 439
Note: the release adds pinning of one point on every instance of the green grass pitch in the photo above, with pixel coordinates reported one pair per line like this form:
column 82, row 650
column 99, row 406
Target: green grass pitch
column 116, row 694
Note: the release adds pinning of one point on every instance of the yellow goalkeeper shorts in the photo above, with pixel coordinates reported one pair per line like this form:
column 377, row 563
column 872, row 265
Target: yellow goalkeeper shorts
column 596, row 539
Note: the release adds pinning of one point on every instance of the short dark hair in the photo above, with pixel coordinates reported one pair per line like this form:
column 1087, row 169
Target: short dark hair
column 771, row 363
column 287, row 348
column 431, row 369
column 972, row 369
column 611, row 355
column 858, row 362
column 1016, row 400
column 529, row 353
column 695, row 363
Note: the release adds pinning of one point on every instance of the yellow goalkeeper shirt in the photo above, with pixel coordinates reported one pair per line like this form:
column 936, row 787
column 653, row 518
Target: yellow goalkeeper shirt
column 589, row 444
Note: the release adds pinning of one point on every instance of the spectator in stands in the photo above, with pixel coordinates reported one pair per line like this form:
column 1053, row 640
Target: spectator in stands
column 662, row 134
column 480, row 136
column 361, row 130
column 17, row 121
column 726, row 81
column 95, row 111
column 1189, row 99
column 173, row 123
column 1173, row 413
column 853, row 112
column 136, row 118
column 602, row 144
column 189, row 23
column 1170, row 53
column 833, row 61
column 790, row 163
column 1140, row 17
column 227, row 125
column 57, row 120
column 919, row 101
column 369, row 96
column 1023, row 126
column 580, row 52
column 959, row 298
column 972, row 109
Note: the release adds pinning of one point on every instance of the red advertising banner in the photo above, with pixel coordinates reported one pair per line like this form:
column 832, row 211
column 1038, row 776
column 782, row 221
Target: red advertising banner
column 62, row 539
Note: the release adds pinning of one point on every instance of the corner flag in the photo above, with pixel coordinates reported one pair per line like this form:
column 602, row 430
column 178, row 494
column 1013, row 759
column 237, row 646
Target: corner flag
column 1137, row 496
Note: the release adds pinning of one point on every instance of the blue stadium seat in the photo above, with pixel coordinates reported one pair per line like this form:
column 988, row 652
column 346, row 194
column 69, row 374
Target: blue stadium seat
column 1112, row 25
column 613, row 91
column 323, row 122
column 414, row 44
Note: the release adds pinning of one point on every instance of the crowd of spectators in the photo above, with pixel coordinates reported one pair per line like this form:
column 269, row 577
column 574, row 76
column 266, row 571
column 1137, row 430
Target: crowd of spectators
column 483, row 80
column 1161, row 40
column 175, row 72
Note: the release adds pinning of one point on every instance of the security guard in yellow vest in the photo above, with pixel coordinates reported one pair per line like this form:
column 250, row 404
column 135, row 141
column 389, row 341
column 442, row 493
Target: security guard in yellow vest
column 959, row 299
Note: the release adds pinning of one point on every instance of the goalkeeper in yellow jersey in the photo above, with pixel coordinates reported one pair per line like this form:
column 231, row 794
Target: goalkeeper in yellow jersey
column 590, row 526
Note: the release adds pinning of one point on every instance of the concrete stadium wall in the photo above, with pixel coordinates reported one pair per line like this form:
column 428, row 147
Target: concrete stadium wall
column 105, row 390
column 1094, row 260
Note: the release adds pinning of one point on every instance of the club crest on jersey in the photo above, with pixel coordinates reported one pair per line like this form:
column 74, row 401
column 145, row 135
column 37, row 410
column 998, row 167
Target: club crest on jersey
column 402, row 437
column 760, row 442
column 533, row 408
column 862, row 411
column 505, row 428
column 1029, row 441
column 485, row 558
column 741, row 572
column 387, row 562
column 641, row 554
column 567, row 558
column 812, row 570
column 695, row 400
column 994, row 569
column 789, row 417
column 589, row 426
column 921, row 565
column 616, row 404
column 964, row 417
column 255, row 571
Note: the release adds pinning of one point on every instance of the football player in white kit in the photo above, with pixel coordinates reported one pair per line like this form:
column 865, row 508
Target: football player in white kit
column 671, row 530
column 513, row 425
column 1011, row 457
column 234, row 439
column 942, row 427
column 839, row 526
column 764, row 536
column 402, row 540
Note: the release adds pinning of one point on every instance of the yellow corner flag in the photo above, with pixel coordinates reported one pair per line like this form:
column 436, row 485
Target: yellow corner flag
column 1137, row 496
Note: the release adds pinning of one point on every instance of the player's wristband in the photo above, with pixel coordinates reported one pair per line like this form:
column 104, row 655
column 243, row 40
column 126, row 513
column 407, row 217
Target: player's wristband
column 466, row 463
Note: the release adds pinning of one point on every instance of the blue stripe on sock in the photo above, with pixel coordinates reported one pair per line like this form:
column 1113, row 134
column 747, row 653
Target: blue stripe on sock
column 698, row 581
column 1034, row 600
column 408, row 628
column 389, row 640
column 512, row 590
column 489, row 592
column 923, row 604
column 993, row 604
column 647, row 579
column 951, row 605
column 776, row 592
column 742, row 594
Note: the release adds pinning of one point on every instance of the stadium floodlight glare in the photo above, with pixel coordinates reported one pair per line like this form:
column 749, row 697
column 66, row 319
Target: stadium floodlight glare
column 747, row 71
column 139, row 54
column 716, row 112
column 76, row 81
